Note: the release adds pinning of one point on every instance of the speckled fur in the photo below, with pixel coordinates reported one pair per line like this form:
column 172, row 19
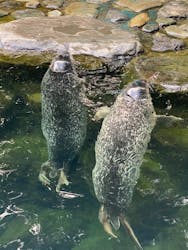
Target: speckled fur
column 120, row 148
column 64, row 117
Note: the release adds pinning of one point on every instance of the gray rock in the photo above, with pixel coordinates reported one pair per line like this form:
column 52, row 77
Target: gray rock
column 18, row 14
column 33, row 4
column 180, row 31
column 161, row 43
column 150, row 27
column 86, row 36
column 177, row 8
column 55, row 4
column 165, row 21
column 3, row 13
column 116, row 16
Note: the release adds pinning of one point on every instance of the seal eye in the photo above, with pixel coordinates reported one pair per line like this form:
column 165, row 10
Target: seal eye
column 61, row 66
column 137, row 93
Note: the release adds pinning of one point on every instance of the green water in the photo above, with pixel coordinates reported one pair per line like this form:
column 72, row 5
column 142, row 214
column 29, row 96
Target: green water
column 159, row 210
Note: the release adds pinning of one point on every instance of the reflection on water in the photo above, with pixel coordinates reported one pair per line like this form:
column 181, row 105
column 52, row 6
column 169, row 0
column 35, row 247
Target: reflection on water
column 33, row 217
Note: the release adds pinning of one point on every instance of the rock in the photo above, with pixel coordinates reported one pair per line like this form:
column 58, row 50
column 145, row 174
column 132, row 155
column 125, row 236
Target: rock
column 168, row 72
column 116, row 16
column 138, row 5
column 162, row 43
column 85, row 36
column 3, row 13
column 97, row 1
column 55, row 4
column 180, row 31
column 139, row 20
column 54, row 13
column 177, row 8
column 173, row 136
column 150, row 27
column 27, row 13
column 165, row 21
column 81, row 9
column 33, row 4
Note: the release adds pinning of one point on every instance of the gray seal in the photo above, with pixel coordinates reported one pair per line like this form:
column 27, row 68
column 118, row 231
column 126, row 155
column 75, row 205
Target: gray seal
column 119, row 149
column 64, row 118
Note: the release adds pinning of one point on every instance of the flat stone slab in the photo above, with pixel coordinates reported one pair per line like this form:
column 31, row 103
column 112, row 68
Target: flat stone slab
column 37, row 36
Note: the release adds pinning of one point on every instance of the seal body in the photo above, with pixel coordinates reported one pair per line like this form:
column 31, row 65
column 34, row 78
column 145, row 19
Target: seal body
column 120, row 147
column 64, row 117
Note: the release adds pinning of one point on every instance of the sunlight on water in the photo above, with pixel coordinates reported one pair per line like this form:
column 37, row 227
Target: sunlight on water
column 33, row 217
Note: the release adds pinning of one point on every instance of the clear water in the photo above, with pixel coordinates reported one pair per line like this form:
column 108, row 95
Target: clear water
column 33, row 217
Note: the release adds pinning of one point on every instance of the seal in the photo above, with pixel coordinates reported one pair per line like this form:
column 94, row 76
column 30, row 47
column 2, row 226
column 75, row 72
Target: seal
column 119, row 150
column 64, row 118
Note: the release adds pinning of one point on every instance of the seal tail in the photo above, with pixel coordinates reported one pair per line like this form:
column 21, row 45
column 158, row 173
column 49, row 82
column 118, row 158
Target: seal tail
column 127, row 226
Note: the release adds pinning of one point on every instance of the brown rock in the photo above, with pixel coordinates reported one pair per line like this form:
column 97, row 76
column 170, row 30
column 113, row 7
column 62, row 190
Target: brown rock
column 138, row 5
column 81, row 9
column 139, row 20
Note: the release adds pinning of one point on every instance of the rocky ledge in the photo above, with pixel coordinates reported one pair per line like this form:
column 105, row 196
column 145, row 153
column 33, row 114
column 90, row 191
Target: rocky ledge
column 42, row 37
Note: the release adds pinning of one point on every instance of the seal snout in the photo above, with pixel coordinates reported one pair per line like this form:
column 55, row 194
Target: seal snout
column 60, row 66
column 138, row 90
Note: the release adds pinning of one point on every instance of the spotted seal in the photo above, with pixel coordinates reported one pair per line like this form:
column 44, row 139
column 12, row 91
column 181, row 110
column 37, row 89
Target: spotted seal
column 119, row 150
column 64, row 118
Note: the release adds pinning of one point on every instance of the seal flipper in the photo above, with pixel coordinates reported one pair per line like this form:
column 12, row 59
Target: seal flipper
column 105, row 221
column 127, row 226
column 115, row 221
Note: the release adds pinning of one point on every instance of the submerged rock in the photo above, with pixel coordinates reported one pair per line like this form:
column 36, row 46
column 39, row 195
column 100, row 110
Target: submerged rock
column 161, row 43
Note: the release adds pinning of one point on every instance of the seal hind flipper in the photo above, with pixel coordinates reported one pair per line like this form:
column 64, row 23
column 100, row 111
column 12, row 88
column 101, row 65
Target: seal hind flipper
column 127, row 226
column 105, row 221
column 115, row 221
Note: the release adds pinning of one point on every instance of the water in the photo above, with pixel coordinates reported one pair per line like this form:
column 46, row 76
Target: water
column 33, row 217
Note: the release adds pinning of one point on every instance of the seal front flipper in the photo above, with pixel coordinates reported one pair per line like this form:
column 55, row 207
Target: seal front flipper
column 62, row 180
column 46, row 170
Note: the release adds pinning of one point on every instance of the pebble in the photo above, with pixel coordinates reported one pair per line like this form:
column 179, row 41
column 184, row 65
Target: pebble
column 150, row 27
column 54, row 13
column 139, row 20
